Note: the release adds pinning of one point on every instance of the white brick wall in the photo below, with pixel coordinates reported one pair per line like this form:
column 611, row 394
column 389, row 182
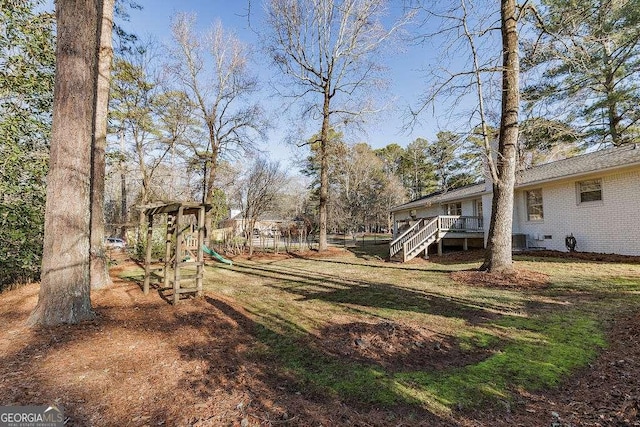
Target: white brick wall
column 609, row 226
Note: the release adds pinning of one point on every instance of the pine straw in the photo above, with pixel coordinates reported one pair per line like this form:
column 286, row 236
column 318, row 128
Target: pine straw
column 519, row 279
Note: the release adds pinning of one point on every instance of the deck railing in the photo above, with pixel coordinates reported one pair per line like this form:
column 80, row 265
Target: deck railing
column 422, row 230
column 396, row 245
column 460, row 223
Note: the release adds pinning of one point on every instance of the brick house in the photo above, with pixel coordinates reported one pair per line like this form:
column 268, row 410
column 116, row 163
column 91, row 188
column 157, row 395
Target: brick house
column 595, row 197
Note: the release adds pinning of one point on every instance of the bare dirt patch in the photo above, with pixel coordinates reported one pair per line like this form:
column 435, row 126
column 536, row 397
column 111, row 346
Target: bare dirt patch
column 396, row 347
column 584, row 256
column 519, row 279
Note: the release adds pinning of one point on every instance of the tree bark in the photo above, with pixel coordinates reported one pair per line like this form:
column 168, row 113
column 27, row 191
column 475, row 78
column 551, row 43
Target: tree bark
column 99, row 269
column 324, row 174
column 65, row 285
column 209, row 226
column 498, row 258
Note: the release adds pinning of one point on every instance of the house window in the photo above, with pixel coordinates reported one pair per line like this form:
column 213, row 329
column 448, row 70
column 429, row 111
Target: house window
column 534, row 205
column 477, row 208
column 590, row 191
column 453, row 208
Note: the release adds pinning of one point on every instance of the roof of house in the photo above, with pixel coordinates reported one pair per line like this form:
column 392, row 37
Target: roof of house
column 603, row 160
column 441, row 196
column 612, row 158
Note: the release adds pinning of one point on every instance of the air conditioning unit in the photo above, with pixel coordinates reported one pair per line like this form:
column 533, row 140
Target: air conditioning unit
column 519, row 241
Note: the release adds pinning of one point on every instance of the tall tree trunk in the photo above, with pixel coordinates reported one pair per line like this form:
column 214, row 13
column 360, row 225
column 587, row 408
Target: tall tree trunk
column 123, row 188
column 498, row 258
column 142, row 218
column 65, row 286
column 324, row 174
column 210, row 189
column 99, row 268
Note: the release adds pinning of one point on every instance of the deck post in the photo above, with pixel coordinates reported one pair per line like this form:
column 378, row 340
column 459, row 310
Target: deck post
column 465, row 244
column 167, row 249
column 200, row 267
column 178, row 259
column 440, row 247
column 147, row 256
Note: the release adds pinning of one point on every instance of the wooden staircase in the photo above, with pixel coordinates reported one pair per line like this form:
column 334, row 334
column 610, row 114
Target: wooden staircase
column 415, row 240
column 427, row 231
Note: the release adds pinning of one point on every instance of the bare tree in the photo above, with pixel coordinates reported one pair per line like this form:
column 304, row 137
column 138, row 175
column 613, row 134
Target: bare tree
column 259, row 192
column 213, row 70
column 176, row 122
column 65, row 286
column 365, row 192
column 498, row 257
column 474, row 30
column 328, row 52
column 135, row 102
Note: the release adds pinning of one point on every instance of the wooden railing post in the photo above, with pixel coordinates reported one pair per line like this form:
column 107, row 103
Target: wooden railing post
column 167, row 249
column 200, row 267
column 178, row 260
column 147, row 256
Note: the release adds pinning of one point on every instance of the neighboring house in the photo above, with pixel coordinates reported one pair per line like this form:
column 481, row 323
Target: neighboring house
column 264, row 225
column 595, row 197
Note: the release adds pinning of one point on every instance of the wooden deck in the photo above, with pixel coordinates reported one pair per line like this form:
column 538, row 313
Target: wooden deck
column 427, row 231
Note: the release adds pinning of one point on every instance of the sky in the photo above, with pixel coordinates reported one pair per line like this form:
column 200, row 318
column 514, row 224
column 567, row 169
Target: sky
column 406, row 65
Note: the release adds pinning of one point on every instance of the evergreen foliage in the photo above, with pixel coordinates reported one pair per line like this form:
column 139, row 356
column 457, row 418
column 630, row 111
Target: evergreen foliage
column 27, row 64
column 587, row 57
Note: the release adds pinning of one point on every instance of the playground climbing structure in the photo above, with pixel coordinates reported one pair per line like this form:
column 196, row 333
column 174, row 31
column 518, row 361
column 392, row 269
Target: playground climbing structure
column 183, row 243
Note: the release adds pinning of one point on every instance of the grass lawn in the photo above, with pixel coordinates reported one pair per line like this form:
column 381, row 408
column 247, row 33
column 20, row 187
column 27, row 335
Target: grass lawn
column 371, row 332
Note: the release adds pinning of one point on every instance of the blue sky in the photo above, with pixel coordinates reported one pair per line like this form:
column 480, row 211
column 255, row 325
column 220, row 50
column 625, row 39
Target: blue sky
column 406, row 70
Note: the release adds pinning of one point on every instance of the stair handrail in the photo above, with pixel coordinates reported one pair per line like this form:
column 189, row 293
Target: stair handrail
column 396, row 245
column 426, row 232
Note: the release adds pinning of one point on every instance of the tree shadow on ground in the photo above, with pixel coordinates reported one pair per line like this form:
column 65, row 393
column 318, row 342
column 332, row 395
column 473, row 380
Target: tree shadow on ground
column 305, row 367
column 385, row 265
column 309, row 285
column 370, row 251
column 210, row 361
column 142, row 362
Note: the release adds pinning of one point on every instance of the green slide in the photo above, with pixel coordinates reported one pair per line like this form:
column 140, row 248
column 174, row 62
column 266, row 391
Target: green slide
column 216, row 255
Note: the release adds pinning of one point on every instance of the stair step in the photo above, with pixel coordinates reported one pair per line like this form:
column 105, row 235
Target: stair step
column 420, row 248
column 186, row 278
column 186, row 290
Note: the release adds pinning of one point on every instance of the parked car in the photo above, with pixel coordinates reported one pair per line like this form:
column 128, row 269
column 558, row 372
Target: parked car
column 115, row 243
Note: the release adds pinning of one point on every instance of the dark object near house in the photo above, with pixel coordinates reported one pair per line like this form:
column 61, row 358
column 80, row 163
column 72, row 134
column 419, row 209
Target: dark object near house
column 519, row 242
column 570, row 242
column 115, row 243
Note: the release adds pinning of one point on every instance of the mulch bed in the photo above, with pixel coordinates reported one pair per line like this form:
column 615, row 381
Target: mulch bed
column 396, row 347
column 519, row 279
column 584, row 256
